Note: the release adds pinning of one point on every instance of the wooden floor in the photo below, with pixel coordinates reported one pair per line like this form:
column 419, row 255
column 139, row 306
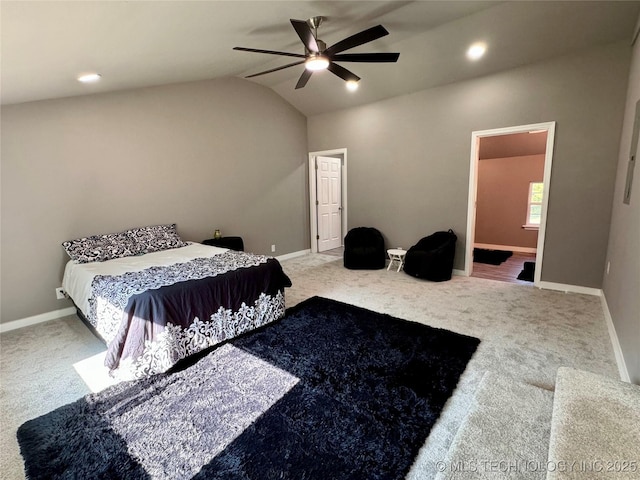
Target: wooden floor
column 507, row 271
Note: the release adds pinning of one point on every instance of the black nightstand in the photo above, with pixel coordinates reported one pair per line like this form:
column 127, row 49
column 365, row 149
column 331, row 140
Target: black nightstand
column 233, row 243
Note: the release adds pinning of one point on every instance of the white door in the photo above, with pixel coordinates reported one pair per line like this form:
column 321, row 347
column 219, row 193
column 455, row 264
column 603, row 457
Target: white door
column 329, row 202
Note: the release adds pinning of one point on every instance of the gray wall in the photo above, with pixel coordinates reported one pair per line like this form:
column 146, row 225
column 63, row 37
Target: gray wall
column 622, row 284
column 225, row 154
column 409, row 156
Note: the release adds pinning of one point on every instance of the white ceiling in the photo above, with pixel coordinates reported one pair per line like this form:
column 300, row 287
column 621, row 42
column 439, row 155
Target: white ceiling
column 45, row 45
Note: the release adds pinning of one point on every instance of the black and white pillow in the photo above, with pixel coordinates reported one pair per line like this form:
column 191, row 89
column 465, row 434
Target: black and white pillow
column 156, row 238
column 99, row 248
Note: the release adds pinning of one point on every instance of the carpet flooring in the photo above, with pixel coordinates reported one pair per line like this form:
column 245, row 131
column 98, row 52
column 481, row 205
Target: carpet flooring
column 331, row 391
column 509, row 423
column 526, row 333
column 596, row 423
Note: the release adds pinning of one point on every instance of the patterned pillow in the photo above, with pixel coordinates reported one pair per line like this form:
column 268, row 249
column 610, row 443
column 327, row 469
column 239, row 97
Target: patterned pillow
column 99, row 248
column 156, row 238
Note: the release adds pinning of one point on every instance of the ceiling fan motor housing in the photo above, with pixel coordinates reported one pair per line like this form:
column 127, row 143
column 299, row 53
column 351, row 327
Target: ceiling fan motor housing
column 321, row 48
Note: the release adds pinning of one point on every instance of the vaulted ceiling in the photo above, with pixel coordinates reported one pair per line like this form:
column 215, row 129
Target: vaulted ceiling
column 133, row 44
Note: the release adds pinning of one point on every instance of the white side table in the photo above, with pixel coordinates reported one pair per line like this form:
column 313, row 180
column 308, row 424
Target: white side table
column 396, row 255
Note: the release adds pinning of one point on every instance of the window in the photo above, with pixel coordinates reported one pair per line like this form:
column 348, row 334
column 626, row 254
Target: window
column 534, row 205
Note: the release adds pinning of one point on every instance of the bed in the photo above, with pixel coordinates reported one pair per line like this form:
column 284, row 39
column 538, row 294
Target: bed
column 155, row 299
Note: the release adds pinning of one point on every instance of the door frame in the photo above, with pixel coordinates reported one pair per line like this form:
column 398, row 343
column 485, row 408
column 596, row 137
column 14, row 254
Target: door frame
column 313, row 195
column 550, row 128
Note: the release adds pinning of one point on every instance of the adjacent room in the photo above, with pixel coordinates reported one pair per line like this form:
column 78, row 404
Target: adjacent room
column 509, row 194
column 345, row 240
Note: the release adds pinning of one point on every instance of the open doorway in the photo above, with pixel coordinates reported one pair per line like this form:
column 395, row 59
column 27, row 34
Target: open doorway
column 328, row 199
column 510, row 171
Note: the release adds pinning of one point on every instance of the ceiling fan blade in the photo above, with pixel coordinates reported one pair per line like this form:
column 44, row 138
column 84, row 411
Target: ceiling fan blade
column 275, row 69
column 304, row 78
column 342, row 72
column 366, row 57
column 368, row 35
column 270, row 52
column 303, row 30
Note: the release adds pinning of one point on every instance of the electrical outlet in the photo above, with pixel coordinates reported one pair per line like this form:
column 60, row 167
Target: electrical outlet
column 273, row 248
column 60, row 293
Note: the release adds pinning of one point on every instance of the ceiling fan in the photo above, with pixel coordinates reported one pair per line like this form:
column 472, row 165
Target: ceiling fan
column 318, row 57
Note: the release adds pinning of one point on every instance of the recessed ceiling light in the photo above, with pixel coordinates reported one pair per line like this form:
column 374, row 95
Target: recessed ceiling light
column 476, row 51
column 352, row 85
column 89, row 77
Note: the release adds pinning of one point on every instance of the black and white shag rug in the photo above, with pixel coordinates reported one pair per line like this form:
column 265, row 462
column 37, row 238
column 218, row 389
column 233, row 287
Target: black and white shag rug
column 331, row 391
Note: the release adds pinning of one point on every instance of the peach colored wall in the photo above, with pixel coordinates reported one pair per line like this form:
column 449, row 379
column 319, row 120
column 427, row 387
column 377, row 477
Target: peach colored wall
column 503, row 186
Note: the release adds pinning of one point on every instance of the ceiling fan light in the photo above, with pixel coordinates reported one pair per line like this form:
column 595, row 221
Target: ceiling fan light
column 352, row 85
column 317, row 62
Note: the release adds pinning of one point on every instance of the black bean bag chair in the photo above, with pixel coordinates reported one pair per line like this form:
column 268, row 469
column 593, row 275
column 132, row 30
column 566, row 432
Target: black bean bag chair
column 364, row 249
column 432, row 257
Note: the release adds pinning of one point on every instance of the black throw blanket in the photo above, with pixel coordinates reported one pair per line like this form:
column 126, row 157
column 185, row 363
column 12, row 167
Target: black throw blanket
column 331, row 391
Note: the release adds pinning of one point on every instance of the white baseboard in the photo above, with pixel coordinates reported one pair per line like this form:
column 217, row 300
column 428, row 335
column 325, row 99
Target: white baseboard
column 617, row 350
column 566, row 288
column 510, row 248
column 43, row 317
column 287, row 256
column 460, row 273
